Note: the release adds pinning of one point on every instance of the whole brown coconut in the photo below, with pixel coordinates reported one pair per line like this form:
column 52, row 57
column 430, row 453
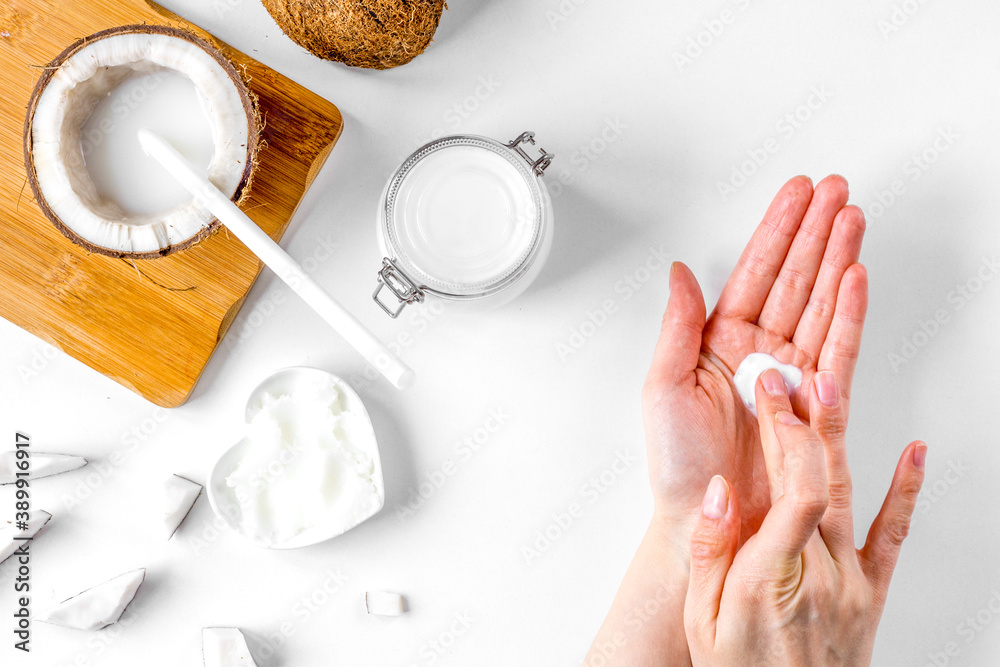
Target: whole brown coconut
column 377, row 34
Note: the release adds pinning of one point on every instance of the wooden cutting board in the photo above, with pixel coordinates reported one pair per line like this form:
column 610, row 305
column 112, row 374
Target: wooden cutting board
column 153, row 325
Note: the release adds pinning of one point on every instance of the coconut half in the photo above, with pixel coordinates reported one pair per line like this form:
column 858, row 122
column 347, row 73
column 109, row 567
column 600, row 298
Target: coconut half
column 66, row 94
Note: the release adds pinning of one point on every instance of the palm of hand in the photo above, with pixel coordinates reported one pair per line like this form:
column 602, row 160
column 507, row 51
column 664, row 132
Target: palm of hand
column 797, row 295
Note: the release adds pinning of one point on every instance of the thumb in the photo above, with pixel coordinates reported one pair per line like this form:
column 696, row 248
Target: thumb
column 793, row 518
column 679, row 345
column 713, row 547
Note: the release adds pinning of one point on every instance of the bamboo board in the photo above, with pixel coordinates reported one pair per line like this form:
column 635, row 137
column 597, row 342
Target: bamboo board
column 118, row 318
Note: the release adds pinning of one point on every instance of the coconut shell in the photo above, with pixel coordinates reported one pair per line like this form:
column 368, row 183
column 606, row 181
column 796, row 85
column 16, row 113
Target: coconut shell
column 248, row 99
column 376, row 34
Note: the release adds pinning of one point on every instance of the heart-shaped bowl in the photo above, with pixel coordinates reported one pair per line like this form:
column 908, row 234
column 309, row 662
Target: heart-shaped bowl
column 293, row 385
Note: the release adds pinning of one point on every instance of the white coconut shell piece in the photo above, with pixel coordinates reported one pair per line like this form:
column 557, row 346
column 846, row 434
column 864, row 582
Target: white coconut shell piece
column 226, row 647
column 42, row 465
column 11, row 539
column 383, row 603
column 179, row 496
column 97, row 607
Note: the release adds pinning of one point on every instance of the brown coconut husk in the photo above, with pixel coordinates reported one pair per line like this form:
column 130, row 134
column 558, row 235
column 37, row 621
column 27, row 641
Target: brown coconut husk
column 375, row 34
column 250, row 106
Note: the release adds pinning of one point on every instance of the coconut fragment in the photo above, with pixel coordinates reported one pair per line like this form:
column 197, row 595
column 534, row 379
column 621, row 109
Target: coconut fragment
column 11, row 538
column 40, row 464
column 180, row 495
column 97, row 607
column 383, row 603
column 69, row 89
column 226, row 647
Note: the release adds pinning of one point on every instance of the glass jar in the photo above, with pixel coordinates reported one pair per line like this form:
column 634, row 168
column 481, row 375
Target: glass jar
column 466, row 219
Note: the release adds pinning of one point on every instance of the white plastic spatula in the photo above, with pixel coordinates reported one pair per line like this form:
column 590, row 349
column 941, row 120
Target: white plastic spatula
column 271, row 254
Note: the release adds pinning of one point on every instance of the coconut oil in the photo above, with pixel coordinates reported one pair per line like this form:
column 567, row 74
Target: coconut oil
column 164, row 101
column 465, row 218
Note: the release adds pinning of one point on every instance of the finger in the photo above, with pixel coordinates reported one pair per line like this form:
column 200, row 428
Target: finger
column 826, row 416
column 842, row 251
column 749, row 284
column 713, row 547
column 788, row 297
column 679, row 345
column 843, row 342
column 772, row 398
column 794, row 517
column 881, row 550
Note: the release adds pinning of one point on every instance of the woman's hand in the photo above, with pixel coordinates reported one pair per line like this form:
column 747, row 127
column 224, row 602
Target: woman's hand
column 797, row 294
column 797, row 592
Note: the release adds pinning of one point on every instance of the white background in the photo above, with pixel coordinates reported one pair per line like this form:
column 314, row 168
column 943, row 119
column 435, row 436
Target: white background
column 567, row 69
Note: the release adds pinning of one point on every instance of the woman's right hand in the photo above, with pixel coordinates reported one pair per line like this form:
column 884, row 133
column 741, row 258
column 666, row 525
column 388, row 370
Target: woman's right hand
column 797, row 592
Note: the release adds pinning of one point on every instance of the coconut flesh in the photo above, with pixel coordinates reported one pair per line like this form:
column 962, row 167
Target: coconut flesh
column 226, row 647
column 68, row 92
column 97, row 607
column 42, row 464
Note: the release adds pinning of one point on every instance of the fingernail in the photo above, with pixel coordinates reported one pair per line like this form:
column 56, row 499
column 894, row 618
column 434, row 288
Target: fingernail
column 919, row 456
column 673, row 272
column 826, row 388
column 773, row 383
column 716, row 500
column 787, row 418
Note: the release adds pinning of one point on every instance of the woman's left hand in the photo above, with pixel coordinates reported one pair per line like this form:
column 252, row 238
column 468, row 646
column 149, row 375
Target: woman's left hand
column 797, row 592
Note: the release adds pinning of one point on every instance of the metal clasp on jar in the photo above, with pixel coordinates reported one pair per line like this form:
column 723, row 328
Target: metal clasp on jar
column 399, row 283
column 538, row 165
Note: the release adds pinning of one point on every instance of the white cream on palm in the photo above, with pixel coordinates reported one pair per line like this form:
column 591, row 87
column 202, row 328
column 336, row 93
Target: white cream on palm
column 753, row 367
column 311, row 463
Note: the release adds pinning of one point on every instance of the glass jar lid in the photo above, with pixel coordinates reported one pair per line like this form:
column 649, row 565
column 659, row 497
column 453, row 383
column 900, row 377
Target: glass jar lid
column 462, row 218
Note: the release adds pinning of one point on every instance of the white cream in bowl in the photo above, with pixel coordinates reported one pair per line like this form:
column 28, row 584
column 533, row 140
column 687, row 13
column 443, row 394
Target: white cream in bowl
column 309, row 467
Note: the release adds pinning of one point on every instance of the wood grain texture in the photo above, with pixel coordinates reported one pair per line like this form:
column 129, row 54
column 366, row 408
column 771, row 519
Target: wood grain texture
column 150, row 325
